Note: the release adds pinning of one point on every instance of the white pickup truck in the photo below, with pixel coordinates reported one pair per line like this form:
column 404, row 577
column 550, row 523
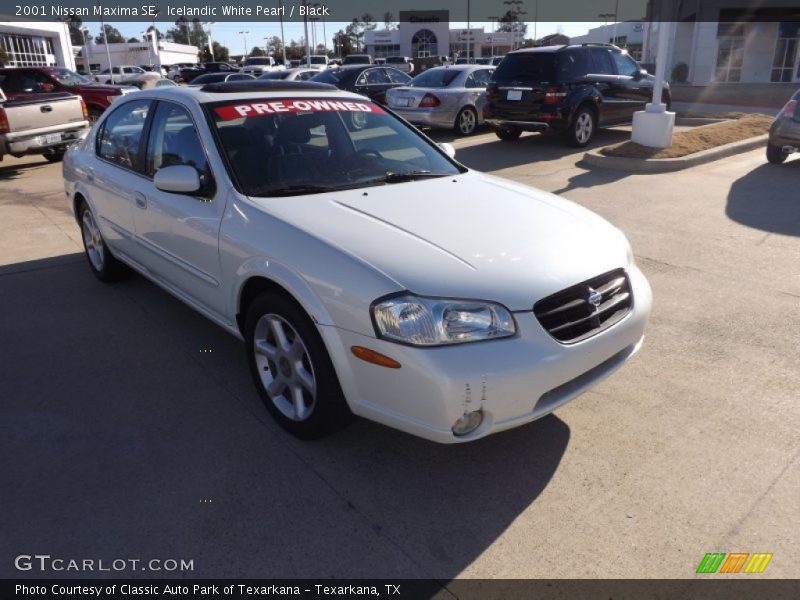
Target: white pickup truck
column 129, row 75
column 41, row 125
column 258, row 65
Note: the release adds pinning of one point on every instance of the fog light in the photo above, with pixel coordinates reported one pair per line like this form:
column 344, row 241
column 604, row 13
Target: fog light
column 468, row 423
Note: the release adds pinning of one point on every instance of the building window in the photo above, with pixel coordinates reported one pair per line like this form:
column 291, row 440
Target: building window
column 730, row 51
column 27, row 50
column 785, row 53
column 424, row 44
column 385, row 50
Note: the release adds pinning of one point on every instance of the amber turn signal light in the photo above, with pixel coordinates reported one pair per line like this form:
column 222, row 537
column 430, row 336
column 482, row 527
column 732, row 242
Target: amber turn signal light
column 376, row 358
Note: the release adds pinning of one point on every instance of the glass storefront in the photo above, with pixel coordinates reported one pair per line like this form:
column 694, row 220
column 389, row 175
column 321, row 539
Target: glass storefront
column 27, row 50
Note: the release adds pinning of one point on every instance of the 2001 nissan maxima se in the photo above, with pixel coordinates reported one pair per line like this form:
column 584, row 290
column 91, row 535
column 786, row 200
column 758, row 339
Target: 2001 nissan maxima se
column 366, row 270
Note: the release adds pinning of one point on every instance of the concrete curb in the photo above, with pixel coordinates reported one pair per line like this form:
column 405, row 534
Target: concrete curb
column 593, row 158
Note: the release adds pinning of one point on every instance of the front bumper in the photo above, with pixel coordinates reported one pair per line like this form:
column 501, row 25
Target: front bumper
column 513, row 381
column 427, row 117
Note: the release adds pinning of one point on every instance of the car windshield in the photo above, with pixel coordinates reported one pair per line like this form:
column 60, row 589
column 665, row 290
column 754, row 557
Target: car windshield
column 531, row 66
column 67, row 77
column 434, row 78
column 296, row 146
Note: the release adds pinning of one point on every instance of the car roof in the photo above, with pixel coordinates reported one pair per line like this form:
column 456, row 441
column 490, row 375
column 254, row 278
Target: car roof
column 549, row 49
column 246, row 90
column 474, row 67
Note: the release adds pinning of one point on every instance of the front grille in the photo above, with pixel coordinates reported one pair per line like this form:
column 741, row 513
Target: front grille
column 587, row 308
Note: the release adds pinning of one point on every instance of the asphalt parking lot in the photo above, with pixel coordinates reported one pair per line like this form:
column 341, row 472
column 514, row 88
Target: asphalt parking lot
column 132, row 429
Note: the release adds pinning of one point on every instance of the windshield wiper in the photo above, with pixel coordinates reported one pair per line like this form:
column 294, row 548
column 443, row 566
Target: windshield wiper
column 299, row 190
column 392, row 177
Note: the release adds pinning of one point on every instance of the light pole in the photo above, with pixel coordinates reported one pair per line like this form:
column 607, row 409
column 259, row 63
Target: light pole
column 149, row 47
column 324, row 35
column 468, row 31
column 105, row 39
column 87, row 52
column 283, row 41
column 155, row 37
column 494, row 29
column 244, row 34
column 210, row 43
column 305, row 28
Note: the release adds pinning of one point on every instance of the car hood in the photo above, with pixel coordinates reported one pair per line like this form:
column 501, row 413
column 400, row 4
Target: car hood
column 465, row 236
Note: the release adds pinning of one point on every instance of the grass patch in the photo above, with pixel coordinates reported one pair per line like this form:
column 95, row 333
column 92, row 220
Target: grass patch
column 698, row 139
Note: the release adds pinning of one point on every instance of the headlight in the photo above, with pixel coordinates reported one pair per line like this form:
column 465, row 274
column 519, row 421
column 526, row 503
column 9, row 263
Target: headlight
column 435, row 321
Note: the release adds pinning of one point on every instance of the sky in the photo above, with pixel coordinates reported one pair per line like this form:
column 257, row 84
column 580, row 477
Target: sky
column 228, row 35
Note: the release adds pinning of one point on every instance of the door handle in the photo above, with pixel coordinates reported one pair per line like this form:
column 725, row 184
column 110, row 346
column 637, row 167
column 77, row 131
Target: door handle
column 140, row 200
column 90, row 174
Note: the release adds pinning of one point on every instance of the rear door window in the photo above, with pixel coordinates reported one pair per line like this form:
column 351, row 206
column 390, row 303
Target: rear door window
column 574, row 65
column 601, row 62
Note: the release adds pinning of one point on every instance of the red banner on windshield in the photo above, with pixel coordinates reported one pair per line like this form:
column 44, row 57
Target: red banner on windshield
column 276, row 107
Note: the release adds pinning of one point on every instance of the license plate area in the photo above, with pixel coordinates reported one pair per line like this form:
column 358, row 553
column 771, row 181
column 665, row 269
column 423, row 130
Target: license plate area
column 514, row 95
column 49, row 139
column 403, row 102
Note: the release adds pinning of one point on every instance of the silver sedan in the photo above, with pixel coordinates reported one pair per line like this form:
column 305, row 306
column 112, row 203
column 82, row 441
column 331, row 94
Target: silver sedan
column 448, row 97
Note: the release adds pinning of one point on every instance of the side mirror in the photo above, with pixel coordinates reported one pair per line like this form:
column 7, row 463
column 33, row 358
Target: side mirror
column 448, row 149
column 177, row 179
column 640, row 74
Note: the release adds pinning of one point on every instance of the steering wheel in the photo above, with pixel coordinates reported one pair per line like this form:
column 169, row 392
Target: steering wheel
column 358, row 167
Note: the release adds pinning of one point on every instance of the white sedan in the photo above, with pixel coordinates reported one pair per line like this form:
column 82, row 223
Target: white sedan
column 366, row 270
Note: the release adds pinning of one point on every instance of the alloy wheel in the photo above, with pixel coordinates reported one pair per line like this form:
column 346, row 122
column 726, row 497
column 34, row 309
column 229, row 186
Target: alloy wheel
column 466, row 122
column 92, row 240
column 583, row 127
column 285, row 367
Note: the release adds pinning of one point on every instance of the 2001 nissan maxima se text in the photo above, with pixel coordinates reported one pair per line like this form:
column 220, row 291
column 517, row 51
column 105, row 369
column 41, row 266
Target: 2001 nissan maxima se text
column 367, row 271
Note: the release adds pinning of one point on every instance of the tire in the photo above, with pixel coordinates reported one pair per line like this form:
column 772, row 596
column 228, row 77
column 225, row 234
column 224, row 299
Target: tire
column 775, row 154
column 581, row 130
column 94, row 114
column 466, row 121
column 292, row 370
column 509, row 134
column 103, row 264
column 54, row 157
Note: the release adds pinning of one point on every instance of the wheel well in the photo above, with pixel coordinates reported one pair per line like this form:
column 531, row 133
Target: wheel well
column 254, row 287
column 591, row 105
column 76, row 205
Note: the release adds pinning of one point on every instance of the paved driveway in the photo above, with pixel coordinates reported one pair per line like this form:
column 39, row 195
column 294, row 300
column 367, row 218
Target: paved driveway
column 131, row 429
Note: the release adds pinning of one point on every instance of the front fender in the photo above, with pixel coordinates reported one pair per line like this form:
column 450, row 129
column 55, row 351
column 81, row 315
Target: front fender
column 286, row 277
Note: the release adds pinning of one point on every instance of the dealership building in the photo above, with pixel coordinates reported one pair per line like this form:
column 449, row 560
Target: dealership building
column 422, row 34
column 151, row 52
column 34, row 44
column 730, row 42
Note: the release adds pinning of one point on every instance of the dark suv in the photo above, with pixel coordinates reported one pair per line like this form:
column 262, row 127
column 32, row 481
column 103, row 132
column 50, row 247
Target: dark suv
column 573, row 89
